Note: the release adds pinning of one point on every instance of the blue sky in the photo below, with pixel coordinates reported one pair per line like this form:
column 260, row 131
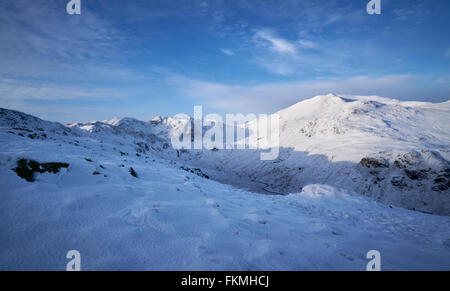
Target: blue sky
column 147, row 57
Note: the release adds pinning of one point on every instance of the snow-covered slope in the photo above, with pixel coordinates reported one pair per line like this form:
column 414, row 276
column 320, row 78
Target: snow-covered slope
column 343, row 127
column 396, row 152
column 172, row 217
column 120, row 194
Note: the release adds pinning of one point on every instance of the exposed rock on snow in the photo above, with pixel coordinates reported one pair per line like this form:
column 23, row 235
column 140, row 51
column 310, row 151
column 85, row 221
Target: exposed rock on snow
column 26, row 169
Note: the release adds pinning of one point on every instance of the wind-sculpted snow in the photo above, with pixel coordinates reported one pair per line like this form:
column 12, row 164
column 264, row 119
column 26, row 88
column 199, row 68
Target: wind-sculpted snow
column 126, row 200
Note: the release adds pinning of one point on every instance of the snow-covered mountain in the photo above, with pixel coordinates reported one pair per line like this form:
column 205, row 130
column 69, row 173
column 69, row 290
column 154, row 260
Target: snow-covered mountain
column 119, row 193
column 396, row 152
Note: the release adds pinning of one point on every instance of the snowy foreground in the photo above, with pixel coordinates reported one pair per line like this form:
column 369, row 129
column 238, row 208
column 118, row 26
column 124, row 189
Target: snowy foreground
column 125, row 206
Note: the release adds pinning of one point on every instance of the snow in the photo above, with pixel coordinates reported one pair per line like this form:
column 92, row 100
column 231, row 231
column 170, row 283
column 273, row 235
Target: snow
column 328, row 136
column 171, row 219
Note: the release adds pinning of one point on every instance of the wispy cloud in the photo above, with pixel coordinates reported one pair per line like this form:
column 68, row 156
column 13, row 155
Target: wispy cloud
column 115, row 52
column 48, row 56
column 23, row 90
column 307, row 44
column 43, row 29
column 275, row 43
column 227, row 52
column 276, row 65
column 271, row 97
column 275, row 54
column 447, row 53
column 415, row 11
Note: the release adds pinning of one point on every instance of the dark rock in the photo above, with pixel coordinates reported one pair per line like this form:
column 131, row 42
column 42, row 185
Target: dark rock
column 374, row 163
column 133, row 173
column 440, row 180
column 398, row 182
column 27, row 168
column 195, row 171
column 415, row 175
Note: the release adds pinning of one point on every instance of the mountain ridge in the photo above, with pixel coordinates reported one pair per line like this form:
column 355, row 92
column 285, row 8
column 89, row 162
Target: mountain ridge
column 393, row 151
